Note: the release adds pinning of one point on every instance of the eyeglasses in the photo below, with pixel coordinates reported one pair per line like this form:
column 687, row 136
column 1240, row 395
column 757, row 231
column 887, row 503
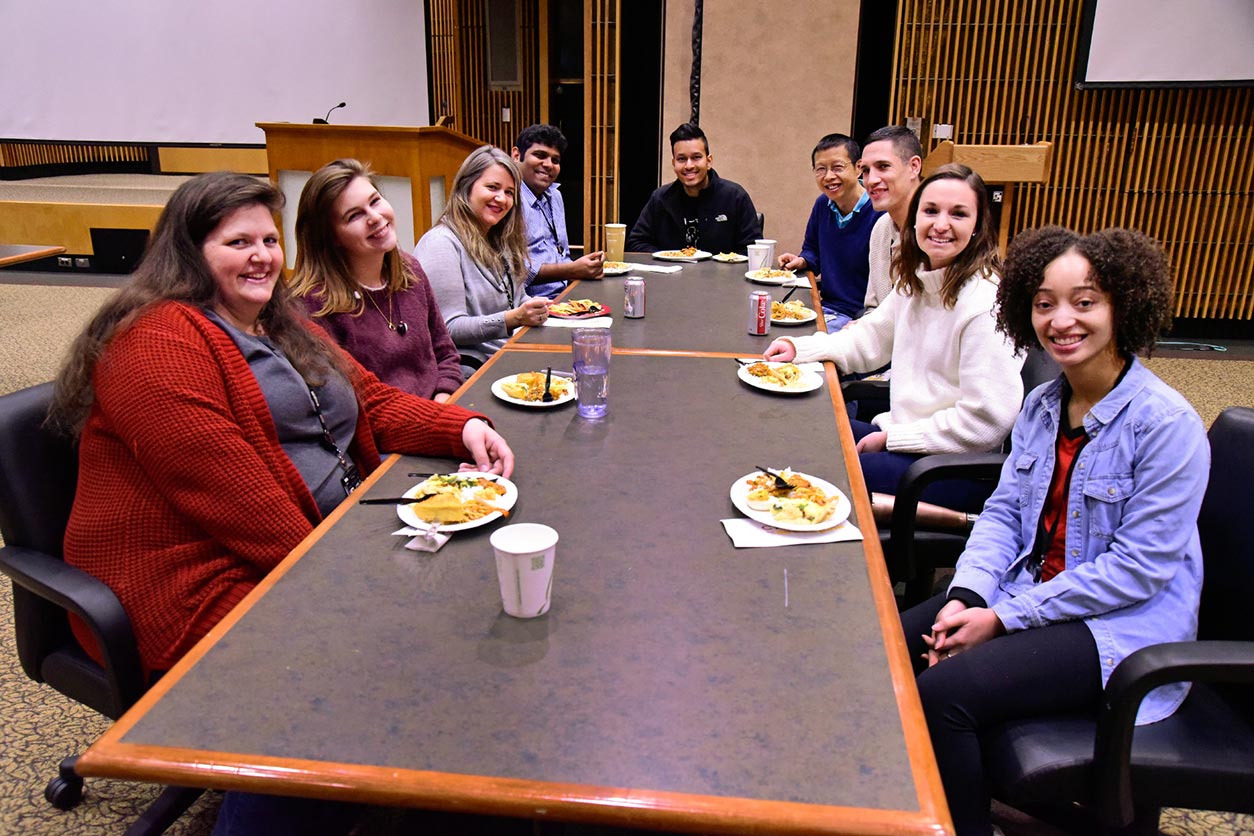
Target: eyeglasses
column 838, row 169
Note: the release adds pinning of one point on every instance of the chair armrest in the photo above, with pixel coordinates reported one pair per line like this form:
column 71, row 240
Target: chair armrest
column 73, row 590
column 1137, row 675
column 914, row 481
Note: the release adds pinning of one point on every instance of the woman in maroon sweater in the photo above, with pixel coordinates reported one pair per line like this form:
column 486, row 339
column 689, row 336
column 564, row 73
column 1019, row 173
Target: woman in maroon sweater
column 373, row 299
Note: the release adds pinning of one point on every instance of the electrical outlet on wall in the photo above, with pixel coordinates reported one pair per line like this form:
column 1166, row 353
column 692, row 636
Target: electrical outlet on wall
column 942, row 131
column 505, row 114
column 82, row 263
column 65, row 261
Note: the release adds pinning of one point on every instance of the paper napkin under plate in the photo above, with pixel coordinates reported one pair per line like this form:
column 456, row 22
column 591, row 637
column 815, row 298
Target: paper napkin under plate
column 750, row 534
column 592, row 322
column 654, row 268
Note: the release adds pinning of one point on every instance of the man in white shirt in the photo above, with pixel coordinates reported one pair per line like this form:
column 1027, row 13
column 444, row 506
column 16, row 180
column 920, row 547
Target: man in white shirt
column 891, row 164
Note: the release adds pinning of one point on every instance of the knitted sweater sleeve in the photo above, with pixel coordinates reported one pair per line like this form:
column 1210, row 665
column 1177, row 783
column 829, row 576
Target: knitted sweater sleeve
column 864, row 345
column 185, row 431
column 405, row 423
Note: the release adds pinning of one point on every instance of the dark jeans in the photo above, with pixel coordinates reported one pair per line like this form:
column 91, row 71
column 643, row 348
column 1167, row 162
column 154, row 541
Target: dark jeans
column 1044, row 670
column 246, row 813
column 883, row 472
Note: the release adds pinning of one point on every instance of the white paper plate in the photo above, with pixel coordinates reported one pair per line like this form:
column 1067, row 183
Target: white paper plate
column 740, row 498
column 498, row 389
column 506, row 502
column 808, row 383
column 621, row 269
column 810, row 317
column 730, row 258
column 780, row 280
column 673, row 255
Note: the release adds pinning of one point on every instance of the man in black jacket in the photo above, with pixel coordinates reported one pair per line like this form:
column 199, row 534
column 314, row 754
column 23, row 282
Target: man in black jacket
column 700, row 209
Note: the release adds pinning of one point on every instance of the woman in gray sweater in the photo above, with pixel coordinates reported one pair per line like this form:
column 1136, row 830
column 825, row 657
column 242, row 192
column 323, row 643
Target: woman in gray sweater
column 476, row 258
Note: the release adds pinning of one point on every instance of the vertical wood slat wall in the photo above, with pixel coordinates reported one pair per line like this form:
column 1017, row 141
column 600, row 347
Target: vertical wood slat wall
column 601, row 118
column 1171, row 162
column 457, row 31
column 24, row 154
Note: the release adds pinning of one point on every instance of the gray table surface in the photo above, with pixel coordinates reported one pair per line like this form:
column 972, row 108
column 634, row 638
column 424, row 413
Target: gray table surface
column 704, row 307
column 669, row 660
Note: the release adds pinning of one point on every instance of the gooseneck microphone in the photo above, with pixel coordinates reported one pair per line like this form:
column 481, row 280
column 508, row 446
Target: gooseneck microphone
column 323, row 120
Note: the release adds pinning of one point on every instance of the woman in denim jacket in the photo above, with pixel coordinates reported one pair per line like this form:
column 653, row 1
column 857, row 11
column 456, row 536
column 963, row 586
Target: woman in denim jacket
column 1088, row 549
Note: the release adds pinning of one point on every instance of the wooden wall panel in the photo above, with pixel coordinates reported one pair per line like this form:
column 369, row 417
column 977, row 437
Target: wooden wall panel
column 1170, row 162
column 30, row 154
column 601, row 118
column 459, row 44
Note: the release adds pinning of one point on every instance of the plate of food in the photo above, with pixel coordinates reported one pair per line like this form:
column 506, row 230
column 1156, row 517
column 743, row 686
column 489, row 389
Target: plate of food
column 686, row 254
column 527, row 389
column 808, row 504
column 769, row 275
column 779, row 377
column 615, row 268
column 731, row 258
column 793, row 312
column 457, row 501
column 577, row 309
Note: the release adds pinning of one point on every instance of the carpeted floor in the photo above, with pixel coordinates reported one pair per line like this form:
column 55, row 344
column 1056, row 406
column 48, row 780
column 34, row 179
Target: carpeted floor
column 40, row 727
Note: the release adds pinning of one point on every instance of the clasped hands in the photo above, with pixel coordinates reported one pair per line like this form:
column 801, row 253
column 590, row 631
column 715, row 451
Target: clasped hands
column 959, row 628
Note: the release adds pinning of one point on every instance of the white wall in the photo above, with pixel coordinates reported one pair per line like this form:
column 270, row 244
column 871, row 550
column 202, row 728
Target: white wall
column 204, row 71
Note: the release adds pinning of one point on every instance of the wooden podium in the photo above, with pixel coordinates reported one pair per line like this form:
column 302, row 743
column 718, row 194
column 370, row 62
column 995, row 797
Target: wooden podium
column 999, row 165
column 427, row 157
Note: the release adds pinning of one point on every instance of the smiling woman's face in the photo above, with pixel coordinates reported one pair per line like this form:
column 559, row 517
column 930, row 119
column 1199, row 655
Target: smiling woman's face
column 492, row 196
column 245, row 258
column 945, row 220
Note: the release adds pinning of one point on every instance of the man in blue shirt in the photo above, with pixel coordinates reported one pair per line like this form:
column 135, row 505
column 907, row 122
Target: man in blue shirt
column 838, row 234
column 539, row 150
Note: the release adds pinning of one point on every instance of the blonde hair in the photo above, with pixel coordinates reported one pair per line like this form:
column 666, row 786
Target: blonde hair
column 504, row 246
column 320, row 263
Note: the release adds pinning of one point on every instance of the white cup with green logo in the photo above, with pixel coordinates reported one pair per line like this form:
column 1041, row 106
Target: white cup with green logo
column 524, row 567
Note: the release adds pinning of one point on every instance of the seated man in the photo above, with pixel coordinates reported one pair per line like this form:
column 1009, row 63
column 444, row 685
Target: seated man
column 700, row 209
column 838, row 234
column 538, row 151
column 891, row 163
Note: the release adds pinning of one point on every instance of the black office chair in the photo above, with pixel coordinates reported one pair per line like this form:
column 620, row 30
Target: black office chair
column 38, row 475
column 1202, row 757
column 913, row 556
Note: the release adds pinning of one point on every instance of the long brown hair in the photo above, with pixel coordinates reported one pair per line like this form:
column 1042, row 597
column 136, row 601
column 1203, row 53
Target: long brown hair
column 979, row 257
column 174, row 269
column 505, row 244
column 320, row 263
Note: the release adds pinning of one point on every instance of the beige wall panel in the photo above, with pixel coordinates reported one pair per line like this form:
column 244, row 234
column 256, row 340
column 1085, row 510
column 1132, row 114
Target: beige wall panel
column 776, row 75
column 182, row 160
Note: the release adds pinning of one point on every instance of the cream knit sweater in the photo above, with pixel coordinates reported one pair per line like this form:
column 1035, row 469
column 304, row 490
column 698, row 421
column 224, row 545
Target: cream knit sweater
column 955, row 386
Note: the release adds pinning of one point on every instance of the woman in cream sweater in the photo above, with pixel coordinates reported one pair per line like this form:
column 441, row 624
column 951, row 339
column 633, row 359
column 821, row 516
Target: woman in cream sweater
column 955, row 385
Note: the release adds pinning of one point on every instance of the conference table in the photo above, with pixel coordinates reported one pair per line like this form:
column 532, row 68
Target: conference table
column 677, row 683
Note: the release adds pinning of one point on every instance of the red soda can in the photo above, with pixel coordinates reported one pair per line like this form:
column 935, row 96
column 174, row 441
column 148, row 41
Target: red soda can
column 759, row 312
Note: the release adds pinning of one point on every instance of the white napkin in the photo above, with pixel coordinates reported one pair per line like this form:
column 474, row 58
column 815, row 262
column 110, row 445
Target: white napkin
column 817, row 368
column 801, row 280
column 429, row 538
column 655, row 268
column 749, row 534
column 593, row 322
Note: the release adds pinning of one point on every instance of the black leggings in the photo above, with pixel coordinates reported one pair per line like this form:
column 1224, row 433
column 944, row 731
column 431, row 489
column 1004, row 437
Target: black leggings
column 1044, row 670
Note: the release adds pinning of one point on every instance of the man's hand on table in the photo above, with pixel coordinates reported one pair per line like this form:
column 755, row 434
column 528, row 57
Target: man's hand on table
column 490, row 452
column 788, row 261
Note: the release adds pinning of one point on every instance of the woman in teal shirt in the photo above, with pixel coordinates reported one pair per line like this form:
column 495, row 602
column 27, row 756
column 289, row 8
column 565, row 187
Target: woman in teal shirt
column 1088, row 549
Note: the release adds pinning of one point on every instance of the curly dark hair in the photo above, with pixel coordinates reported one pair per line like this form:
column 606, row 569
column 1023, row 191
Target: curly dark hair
column 1128, row 266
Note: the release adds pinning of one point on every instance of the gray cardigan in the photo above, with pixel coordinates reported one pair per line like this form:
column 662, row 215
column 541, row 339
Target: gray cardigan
column 473, row 309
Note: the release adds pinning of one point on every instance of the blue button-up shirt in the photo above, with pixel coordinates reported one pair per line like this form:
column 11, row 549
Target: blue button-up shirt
column 545, row 215
column 1134, row 562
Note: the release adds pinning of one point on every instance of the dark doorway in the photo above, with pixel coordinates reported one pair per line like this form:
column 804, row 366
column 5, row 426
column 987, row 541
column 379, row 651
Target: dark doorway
column 566, row 104
column 640, row 105
column 874, row 74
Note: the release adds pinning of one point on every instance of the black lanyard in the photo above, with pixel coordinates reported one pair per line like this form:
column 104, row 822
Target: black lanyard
column 351, row 478
column 541, row 204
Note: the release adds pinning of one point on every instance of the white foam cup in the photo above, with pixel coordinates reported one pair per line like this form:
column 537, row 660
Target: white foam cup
column 524, row 567
column 759, row 256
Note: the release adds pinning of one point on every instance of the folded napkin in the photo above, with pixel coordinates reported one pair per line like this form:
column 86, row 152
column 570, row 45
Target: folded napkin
column 428, row 539
column 593, row 322
column 656, row 268
column 801, row 280
column 817, row 368
column 749, row 534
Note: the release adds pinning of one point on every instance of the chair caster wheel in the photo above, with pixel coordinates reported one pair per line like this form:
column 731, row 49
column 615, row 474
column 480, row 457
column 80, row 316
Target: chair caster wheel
column 64, row 794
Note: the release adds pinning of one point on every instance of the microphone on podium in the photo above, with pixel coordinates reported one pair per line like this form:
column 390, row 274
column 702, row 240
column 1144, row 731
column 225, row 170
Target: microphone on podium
column 323, row 120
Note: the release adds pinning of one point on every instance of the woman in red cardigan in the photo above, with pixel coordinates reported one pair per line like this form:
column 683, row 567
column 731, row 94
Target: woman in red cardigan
column 199, row 393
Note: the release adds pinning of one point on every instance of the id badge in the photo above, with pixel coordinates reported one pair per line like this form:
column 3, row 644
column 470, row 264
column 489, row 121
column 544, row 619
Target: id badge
column 350, row 480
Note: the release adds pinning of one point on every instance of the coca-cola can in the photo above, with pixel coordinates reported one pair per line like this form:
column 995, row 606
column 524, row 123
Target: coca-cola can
column 759, row 312
column 633, row 297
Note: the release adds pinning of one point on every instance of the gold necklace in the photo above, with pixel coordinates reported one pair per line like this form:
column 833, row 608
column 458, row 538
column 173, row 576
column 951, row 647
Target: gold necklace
column 400, row 327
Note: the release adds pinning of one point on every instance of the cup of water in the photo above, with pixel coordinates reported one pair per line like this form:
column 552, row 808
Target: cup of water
column 590, row 348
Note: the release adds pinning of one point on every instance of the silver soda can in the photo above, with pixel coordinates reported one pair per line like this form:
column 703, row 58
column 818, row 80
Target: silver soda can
column 633, row 297
column 759, row 312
